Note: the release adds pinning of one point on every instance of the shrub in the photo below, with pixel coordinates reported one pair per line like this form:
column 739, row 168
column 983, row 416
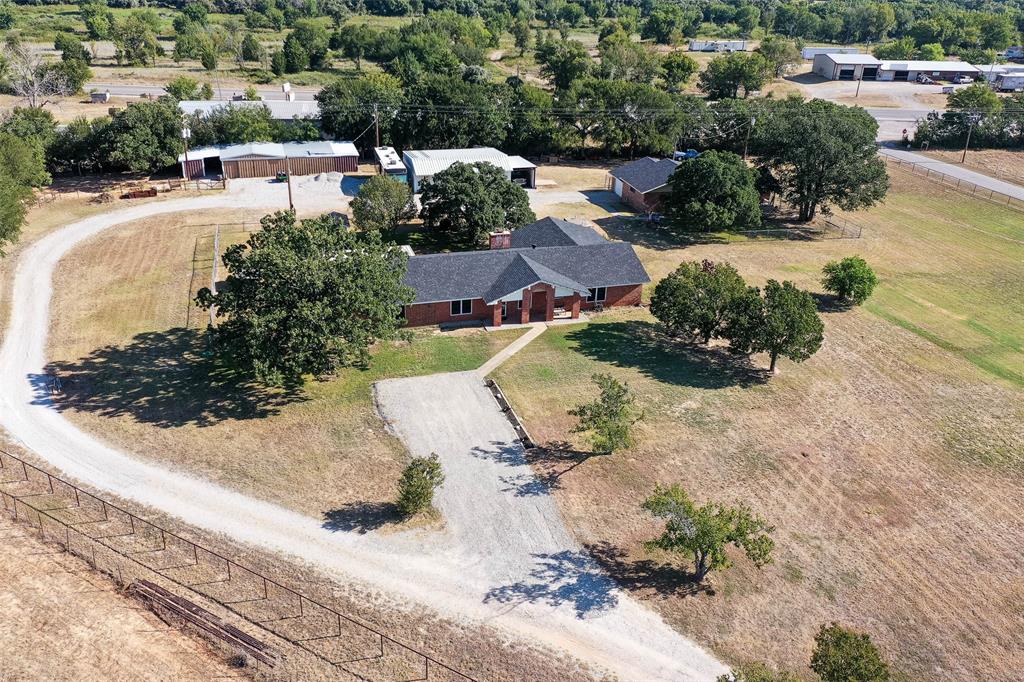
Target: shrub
column 851, row 279
column 842, row 655
column 416, row 487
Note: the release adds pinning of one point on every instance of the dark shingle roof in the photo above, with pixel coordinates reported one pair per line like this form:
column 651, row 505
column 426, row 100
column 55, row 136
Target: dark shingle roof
column 646, row 174
column 554, row 232
column 483, row 274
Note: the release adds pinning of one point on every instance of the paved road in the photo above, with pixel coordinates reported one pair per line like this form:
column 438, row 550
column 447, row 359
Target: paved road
column 957, row 171
column 506, row 522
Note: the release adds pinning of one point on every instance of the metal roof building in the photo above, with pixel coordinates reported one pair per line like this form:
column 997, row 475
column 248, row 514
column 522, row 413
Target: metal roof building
column 280, row 109
column 424, row 163
column 267, row 159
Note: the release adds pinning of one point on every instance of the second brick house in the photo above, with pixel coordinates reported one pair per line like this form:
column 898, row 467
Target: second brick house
column 547, row 269
column 643, row 183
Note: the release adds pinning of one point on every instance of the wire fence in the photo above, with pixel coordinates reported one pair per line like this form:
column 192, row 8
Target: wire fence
column 125, row 546
column 923, row 169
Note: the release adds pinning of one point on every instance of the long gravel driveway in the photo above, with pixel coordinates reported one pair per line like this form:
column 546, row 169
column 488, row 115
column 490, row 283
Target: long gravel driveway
column 504, row 520
column 522, row 574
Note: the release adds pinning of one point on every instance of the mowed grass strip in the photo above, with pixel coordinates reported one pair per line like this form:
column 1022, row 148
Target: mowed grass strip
column 135, row 375
column 891, row 463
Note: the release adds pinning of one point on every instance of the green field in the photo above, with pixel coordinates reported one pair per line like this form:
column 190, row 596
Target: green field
column 874, row 459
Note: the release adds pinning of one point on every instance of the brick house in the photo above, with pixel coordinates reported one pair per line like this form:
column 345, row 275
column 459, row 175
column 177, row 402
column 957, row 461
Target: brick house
column 551, row 268
column 643, row 183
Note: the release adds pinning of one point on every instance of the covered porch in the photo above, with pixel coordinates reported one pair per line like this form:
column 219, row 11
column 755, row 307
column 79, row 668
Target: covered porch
column 540, row 302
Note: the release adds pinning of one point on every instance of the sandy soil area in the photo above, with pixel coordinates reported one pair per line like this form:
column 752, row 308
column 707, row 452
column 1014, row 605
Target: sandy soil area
column 62, row 621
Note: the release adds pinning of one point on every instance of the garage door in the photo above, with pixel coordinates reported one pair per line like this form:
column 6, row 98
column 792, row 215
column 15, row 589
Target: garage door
column 900, row 75
column 846, row 74
column 870, row 73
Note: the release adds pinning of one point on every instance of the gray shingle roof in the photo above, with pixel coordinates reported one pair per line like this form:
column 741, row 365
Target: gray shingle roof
column 646, row 174
column 481, row 274
column 554, row 232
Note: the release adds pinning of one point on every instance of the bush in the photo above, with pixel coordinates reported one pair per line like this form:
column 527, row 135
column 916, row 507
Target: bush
column 416, row 487
column 842, row 655
column 715, row 191
column 851, row 279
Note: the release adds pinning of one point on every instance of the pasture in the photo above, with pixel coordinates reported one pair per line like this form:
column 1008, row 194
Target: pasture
column 891, row 463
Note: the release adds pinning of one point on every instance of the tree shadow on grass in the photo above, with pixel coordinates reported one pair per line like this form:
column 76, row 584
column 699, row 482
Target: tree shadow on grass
column 829, row 303
column 641, row 345
column 566, row 577
column 160, row 378
column 361, row 517
column 646, row 575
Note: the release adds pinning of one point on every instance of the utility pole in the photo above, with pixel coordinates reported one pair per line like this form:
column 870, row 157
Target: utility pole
column 288, row 172
column 970, row 127
column 186, row 133
column 376, row 124
column 857, row 96
column 746, row 141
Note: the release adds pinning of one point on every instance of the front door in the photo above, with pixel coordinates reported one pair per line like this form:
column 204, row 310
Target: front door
column 539, row 306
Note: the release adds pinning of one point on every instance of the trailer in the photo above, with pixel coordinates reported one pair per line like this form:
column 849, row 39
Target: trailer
column 1010, row 82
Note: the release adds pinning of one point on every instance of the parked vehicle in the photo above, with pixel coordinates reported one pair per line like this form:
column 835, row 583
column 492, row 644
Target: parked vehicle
column 683, row 156
column 926, row 80
column 963, row 80
column 282, row 176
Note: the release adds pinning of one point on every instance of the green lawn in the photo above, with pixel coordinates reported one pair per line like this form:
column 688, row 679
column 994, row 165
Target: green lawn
column 961, row 287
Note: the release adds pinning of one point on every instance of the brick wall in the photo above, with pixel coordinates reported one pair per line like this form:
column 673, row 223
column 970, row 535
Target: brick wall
column 440, row 313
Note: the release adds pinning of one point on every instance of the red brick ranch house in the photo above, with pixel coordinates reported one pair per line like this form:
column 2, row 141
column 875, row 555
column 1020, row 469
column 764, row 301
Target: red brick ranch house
column 547, row 269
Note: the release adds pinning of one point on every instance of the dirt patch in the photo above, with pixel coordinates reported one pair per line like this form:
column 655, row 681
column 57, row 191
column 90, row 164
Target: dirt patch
column 577, row 177
column 63, row 621
column 877, row 459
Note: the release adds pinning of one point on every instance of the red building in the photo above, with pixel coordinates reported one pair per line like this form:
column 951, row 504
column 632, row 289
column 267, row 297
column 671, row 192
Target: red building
column 551, row 268
column 643, row 183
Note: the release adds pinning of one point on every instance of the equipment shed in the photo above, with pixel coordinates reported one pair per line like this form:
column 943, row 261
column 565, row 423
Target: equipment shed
column 422, row 164
column 267, row 159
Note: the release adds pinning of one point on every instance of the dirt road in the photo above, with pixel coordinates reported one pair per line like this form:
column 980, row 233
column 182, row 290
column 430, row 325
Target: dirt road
column 409, row 566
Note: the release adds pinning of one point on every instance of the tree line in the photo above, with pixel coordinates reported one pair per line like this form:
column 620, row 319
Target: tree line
column 991, row 120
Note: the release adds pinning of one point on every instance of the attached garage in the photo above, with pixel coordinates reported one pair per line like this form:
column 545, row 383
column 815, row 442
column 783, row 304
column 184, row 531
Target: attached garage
column 267, row 159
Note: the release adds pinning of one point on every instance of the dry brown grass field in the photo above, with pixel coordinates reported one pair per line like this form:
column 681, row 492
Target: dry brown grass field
column 1004, row 164
column 135, row 373
column 891, row 463
column 63, row 621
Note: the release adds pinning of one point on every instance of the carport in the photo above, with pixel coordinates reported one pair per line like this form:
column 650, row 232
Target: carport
column 267, row 159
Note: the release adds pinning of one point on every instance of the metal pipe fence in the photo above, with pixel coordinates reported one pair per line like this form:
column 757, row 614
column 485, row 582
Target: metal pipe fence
column 83, row 523
column 965, row 186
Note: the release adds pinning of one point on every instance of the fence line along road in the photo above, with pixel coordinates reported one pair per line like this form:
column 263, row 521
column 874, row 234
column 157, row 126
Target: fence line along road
column 922, row 168
column 83, row 523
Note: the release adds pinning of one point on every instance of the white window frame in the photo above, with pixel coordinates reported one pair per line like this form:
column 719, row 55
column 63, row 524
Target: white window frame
column 504, row 309
column 465, row 307
column 598, row 295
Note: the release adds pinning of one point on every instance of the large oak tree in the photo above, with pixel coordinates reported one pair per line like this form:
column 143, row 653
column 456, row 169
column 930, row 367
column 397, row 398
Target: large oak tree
column 306, row 297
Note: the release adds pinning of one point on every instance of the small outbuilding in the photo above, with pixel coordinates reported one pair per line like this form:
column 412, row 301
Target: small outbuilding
column 643, row 183
column 97, row 97
column 267, row 159
column 423, row 164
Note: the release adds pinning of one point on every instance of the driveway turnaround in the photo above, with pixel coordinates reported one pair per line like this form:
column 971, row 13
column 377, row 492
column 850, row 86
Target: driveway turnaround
column 523, row 573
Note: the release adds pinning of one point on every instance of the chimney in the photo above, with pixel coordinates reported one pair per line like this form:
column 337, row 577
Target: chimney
column 501, row 240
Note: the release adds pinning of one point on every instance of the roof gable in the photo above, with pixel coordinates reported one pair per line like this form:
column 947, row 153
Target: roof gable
column 483, row 274
column 646, row 174
column 554, row 232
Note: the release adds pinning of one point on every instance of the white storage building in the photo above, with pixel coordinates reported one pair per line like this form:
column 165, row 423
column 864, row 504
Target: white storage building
column 280, row 109
column 840, row 66
column 936, row 70
column 422, row 164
